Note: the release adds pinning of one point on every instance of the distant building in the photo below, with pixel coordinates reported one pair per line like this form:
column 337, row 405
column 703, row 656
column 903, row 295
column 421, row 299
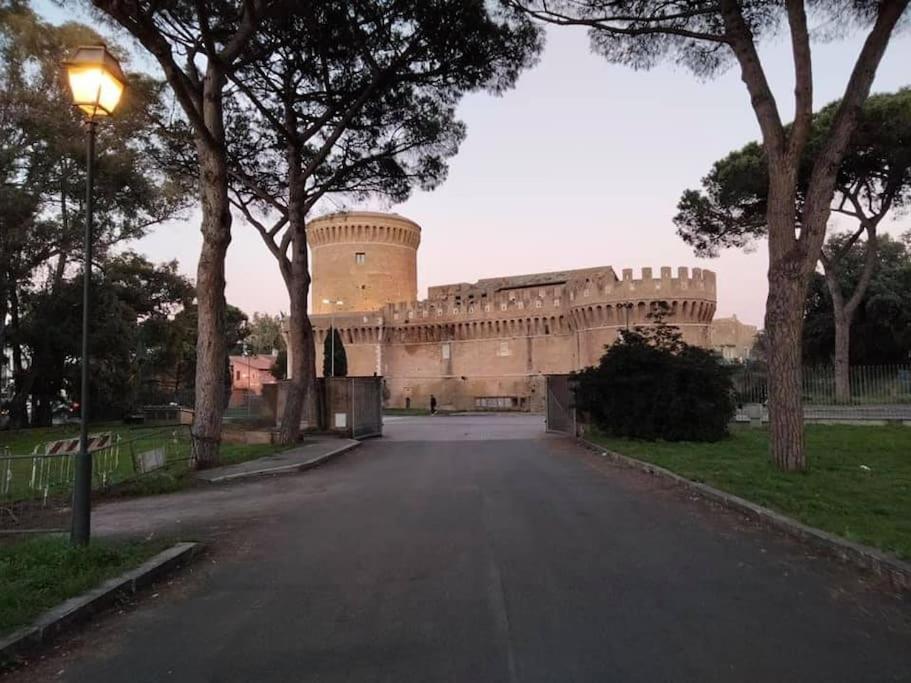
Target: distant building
column 250, row 373
column 487, row 344
column 733, row 339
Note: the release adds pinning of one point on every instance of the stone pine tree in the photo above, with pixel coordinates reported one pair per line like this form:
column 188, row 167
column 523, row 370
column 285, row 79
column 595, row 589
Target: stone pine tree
column 706, row 35
column 334, row 351
column 42, row 179
column 198, row 46
column 358, row 99
column 874, row 178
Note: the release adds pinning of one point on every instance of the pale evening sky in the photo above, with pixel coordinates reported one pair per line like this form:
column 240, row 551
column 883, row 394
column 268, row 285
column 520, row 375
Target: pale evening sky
column 580, row 165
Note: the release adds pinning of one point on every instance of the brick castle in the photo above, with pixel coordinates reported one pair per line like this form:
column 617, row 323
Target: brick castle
column 487, row 344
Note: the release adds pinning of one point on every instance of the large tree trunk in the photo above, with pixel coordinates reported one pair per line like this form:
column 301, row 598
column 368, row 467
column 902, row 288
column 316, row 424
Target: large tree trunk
column 211, row 352
column 788, row 280
column 784, row 327
column 301, row 355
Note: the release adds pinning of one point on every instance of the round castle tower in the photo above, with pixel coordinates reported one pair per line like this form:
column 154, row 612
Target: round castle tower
column 364, row 259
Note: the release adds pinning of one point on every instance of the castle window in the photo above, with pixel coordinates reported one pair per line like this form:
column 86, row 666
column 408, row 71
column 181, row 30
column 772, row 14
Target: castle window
column 360, row 258
column 503, row 306
column 538, row 303
column 556, row 303
column 439, row 311
column 447, row 350
column 521, row 304
column 504, row 349
column 487, row 308
column 586, row 292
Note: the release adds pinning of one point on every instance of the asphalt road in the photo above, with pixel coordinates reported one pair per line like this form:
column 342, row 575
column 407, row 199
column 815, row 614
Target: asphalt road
column 478, row 549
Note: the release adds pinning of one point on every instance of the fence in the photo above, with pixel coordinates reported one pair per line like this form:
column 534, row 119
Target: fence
column 870, row 385
column 35, row 488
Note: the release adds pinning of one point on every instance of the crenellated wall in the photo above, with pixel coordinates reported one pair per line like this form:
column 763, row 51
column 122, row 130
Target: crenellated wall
column 491, row 341
column 363, row 259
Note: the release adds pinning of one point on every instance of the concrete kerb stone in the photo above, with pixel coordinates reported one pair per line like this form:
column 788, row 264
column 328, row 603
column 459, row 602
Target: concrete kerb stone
column 285, row 469
column 80, row 608
column 895, row 571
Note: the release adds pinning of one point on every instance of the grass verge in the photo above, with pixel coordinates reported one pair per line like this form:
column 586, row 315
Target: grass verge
column 39, row 573
column 858, row 485
column 121, row 476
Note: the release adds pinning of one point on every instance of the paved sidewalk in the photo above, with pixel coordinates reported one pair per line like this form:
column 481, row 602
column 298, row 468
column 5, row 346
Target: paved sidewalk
column 316, row 450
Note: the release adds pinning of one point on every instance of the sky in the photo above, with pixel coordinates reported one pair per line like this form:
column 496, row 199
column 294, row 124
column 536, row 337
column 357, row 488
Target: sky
column 580, row 165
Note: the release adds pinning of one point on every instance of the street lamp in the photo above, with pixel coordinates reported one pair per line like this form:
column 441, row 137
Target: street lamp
column 96, row 83
column 327, row 302
column 627, row 307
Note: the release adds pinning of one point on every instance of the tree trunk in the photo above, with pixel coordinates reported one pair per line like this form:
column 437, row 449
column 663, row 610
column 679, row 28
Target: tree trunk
column 784, row 326
column 843, row 311
column 842, row 357
column 300, row 338
column 211, row 352
column 788, row 280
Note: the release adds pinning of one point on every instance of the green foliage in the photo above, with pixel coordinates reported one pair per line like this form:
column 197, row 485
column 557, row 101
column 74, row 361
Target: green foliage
column 280, row 368
column 39, row 573
column 869, row 506
column 729, row 210
column 652, row 385
column 133, row 302
column 881, row 330
column 265, row 334
column 42, row 186
column 341, row 356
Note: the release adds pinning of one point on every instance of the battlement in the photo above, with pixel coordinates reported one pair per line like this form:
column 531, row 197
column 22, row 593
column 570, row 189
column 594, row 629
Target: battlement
column 365, row 227
column 695, row 283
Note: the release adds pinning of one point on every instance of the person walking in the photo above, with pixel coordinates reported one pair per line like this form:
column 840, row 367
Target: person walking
column 433, row 404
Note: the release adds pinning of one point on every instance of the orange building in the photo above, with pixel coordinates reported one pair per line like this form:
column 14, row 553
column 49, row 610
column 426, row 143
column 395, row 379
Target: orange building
column 250, row 373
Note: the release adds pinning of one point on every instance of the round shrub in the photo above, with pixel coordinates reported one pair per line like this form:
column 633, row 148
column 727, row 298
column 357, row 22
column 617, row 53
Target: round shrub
column 651, row 385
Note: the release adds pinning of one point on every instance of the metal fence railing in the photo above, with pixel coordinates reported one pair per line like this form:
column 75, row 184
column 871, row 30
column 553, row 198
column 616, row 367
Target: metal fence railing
column 870, row 385
column 36, row 488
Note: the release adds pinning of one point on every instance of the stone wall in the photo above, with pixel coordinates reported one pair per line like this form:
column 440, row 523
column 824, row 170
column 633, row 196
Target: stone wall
column 484, row 344
column 362, row 259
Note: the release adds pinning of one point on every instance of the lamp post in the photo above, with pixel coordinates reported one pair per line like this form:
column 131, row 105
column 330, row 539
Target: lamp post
column 627, row 307
column 327, row 302
column 96, row 83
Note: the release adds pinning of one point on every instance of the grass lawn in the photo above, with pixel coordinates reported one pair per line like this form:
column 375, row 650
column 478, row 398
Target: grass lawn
column 837, row 494
column 39, row 573
column 122, row 478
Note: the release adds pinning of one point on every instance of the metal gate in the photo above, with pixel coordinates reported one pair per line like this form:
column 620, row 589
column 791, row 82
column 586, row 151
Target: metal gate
column 366, row 407
column 561, row 412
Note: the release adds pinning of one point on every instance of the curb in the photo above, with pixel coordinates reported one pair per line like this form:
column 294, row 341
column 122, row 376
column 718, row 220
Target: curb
column 284, row 469
column 895, row 571
column 79, row 609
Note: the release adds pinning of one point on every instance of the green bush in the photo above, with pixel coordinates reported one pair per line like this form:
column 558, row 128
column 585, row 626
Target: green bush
column 652, row 385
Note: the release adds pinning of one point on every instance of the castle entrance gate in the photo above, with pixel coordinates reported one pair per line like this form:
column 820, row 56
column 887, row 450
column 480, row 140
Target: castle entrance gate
column 560, row 408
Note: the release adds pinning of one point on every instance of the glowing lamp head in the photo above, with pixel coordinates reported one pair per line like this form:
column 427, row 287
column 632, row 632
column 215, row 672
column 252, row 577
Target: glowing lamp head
column 96, row 80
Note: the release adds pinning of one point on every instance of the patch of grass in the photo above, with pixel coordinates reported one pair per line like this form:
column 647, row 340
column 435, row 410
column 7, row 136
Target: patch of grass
column 173, row 480
column 121, row 477
column 837, row 494
column 39, row 573
column 23, row 441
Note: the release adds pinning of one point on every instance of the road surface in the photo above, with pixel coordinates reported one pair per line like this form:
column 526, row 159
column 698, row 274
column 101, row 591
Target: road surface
column 479, row 549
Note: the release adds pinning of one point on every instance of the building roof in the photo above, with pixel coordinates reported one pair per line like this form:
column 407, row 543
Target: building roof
column 262, row 361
